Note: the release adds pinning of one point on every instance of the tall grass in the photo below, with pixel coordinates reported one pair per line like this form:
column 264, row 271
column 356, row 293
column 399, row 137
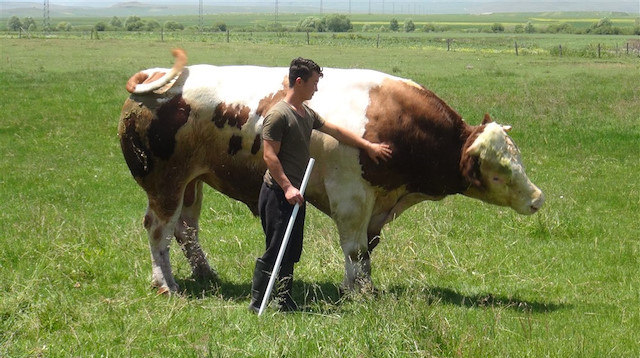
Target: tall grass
column 456, row 277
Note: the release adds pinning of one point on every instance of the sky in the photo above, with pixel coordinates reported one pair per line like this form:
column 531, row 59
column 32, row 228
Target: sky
column 377, row 6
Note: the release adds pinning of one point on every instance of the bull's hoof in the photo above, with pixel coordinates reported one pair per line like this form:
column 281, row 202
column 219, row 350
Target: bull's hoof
column 164, row 289
column 358, row 290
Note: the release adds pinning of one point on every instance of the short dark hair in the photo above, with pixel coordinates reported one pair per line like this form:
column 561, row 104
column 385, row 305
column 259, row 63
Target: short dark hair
column 303, row 68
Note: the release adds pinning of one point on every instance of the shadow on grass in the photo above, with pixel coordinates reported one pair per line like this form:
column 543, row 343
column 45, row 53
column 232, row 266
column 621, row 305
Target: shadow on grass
column 329, row 294
column 449, row 296
column 326, row 292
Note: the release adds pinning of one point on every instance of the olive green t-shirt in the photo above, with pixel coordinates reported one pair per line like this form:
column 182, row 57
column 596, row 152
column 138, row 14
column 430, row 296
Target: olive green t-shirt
column 283, row 124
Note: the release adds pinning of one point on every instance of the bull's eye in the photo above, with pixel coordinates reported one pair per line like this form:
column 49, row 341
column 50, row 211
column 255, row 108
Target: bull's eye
column 496, row 179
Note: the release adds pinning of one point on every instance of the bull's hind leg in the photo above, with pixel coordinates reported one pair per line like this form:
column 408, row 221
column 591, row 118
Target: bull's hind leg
column 160, row 229
column 186, row 232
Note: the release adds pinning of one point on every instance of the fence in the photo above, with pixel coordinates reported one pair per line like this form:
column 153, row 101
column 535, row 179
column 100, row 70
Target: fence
column 577, row 46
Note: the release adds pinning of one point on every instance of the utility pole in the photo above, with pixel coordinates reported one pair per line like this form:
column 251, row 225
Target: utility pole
column 200, row 13
column 46, row 21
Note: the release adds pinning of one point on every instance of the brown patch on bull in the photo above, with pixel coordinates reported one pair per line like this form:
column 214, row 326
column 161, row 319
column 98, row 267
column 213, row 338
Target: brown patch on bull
column 257, row 142
column 269, row 101
column 147, row 221
column 161, row 134
column 469, row 164
column 136, row 153
column 425, row 134
column 232, row 115
column 235, row 144
column 135, row 80
column 189, row 194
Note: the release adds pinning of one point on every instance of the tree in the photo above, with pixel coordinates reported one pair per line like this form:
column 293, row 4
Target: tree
column 115, row 22
column 28, row 23
column 311, row 24
column 173, row 26
column 409, row 26
column 393, row 25
column 133, row 23
column 152, row 25
column 14, row 23
column 603, row 27
column 338, row 23
column 100, row 26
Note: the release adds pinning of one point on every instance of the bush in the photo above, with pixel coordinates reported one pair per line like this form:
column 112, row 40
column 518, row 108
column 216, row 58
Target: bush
column 115, row 22
column 64, row 26
column 338, row 23
column 100, row 26
column 497, row 27
column 173, row 26
column 530, row 29
column 134, row 23
column 393, row 25
column 409, row 26
column 429, row 28
column 220, row 26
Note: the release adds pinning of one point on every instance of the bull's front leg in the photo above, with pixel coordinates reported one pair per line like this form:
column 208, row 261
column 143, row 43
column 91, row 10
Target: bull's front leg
column 351, row 212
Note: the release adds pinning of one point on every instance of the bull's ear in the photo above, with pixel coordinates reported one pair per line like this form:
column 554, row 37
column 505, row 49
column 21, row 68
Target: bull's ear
column 474, row 149
column 486, row 119
column 470, row 168
column 506, row 128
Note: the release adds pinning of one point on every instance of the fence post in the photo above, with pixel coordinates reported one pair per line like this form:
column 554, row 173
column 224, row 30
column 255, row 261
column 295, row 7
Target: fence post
column 227, row 35
column 307, row 37
column 560, row 47
column 378, row 42
column 162, row 34
column 627, row 48
column 598, row 50
column 448, row 44
column 517, row 48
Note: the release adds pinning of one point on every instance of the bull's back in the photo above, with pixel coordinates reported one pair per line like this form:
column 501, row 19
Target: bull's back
column 208, row 126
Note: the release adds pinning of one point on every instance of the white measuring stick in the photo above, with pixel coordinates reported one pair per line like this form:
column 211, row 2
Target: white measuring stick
column 285, row 240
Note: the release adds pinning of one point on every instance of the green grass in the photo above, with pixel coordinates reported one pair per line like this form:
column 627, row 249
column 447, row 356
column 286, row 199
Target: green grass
column 457, row 277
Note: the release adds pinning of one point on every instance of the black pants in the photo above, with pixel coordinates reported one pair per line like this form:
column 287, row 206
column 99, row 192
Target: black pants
column 275, row 213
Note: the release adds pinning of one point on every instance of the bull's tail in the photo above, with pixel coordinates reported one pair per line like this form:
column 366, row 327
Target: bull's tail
column 143, row 83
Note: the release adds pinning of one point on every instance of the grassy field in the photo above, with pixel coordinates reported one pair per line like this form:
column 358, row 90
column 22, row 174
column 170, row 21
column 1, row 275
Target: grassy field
column 457, row 277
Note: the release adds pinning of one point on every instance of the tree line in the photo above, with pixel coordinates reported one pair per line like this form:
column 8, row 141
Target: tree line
column 328, row 23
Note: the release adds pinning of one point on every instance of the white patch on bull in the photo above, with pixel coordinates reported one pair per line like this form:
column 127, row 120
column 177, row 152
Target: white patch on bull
column 347, row 100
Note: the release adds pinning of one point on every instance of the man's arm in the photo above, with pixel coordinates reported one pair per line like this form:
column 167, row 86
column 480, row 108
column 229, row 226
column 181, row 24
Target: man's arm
column 376, row 151
column 291, row 193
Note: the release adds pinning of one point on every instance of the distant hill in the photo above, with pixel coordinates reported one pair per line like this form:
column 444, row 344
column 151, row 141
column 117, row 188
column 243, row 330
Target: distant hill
column 165, row 8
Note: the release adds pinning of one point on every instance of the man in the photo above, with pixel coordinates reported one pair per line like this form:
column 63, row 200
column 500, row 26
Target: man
column 286, row 136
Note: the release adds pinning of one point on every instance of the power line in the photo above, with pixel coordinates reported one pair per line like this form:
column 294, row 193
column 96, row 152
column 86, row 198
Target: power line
column 200, row 13
column 46, row 21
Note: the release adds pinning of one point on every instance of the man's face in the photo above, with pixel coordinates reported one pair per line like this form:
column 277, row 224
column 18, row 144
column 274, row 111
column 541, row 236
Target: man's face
column 309, row 87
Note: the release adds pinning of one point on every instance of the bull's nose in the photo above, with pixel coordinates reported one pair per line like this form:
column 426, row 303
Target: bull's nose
column 537, row 203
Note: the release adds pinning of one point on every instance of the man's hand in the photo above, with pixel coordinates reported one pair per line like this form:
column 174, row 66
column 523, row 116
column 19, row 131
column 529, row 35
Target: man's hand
column 377, row 151
column 293, row 195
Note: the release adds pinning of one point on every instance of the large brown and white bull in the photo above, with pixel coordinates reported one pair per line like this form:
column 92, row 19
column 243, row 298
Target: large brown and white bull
column 189, row 125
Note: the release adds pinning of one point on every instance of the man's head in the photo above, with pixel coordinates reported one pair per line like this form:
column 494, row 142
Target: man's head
column 302, row 68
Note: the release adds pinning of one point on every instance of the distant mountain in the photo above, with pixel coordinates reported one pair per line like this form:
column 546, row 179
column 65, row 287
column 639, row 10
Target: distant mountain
column 72, row 8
